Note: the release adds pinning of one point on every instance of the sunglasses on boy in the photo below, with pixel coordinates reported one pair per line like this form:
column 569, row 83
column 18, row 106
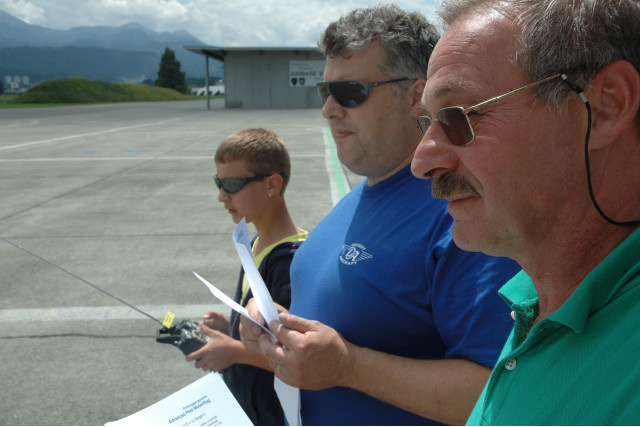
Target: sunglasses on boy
column 350, row 93
column 233, row 184
column 455, row 120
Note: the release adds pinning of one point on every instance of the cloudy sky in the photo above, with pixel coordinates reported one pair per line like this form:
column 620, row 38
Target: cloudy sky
column 214, row 22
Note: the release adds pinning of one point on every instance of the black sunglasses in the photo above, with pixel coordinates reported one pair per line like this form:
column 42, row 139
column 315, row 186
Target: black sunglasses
column 350, row 93
column 233, row 184
column 455, row 120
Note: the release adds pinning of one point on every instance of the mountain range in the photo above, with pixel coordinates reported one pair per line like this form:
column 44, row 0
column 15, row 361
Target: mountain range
column 129, row 53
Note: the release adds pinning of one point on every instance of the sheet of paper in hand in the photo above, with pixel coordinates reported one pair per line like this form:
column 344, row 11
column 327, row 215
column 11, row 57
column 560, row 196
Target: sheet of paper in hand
column 231, row 303
column 206, row 402
column 258, row 288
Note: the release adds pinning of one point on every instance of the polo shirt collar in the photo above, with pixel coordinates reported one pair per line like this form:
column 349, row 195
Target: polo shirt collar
column 596, row 290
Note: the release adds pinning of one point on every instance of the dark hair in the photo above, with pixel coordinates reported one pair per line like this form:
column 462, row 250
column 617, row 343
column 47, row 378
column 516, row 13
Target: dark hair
column 406, row 37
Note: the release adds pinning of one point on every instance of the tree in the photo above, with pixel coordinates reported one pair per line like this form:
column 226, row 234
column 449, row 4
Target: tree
column 169, row 74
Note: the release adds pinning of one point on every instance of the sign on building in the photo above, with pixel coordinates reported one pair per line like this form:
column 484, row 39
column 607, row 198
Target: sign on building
column 305, row 73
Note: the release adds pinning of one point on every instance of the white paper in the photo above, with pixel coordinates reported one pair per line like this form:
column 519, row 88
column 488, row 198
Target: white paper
column 206, row 402
column 232, row 304
column 289, row 400
column 289, row 396
column 261, row 294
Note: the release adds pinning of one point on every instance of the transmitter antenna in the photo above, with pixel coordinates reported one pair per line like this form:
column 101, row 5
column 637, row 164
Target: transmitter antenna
column 80, row 278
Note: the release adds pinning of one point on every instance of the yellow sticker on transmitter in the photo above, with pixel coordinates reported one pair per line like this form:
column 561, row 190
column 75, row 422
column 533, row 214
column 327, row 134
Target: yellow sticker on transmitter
column 168, row 319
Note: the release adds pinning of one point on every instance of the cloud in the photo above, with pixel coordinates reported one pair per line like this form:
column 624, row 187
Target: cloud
column 228, row 23
column 24, row 10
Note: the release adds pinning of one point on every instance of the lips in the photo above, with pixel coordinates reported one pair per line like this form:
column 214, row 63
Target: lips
column 455, row 198
column 341, row 134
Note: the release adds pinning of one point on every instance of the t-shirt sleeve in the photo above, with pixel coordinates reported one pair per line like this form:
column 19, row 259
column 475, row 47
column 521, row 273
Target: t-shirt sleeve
column 472, row 319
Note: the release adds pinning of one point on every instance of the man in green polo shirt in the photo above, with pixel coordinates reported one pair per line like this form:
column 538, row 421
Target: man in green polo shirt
column 539, row 170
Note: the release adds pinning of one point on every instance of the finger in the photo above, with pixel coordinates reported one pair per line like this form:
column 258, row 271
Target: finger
column 273, row 352
column 280, row 308
column 196, row 355
column 286, row 339
column 206, row 330
column 248, row 329
column 252, row 309
column 296, row 323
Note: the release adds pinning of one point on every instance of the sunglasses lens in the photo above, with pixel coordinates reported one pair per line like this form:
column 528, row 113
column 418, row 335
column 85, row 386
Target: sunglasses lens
column 349, row 94
column 423, row 123
column 230, row 185
column 323, row 92
column 233, row 185
column 455, row 125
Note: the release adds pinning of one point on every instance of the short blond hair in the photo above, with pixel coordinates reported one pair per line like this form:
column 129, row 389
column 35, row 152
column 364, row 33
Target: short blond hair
column 262, row 149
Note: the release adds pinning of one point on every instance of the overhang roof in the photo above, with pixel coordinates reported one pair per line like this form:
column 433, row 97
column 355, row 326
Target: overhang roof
column 219, row 52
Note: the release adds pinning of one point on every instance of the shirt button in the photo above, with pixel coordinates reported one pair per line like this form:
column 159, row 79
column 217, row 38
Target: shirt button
column 510, row 365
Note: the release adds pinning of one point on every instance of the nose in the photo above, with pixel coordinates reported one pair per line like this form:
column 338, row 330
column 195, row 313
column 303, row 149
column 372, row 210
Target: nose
column 434, row 156
column 331, row 109
column 223, row 196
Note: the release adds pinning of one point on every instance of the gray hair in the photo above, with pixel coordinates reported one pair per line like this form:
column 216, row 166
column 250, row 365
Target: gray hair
column 406, row 37
column 575, row 37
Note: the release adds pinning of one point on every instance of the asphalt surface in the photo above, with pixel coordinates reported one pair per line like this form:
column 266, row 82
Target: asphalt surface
column 122, row 196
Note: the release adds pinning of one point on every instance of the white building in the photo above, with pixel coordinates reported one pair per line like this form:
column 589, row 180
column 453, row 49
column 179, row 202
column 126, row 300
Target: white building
column 267, row 77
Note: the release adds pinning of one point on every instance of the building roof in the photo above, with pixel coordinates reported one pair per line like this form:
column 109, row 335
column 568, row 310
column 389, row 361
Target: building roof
column 219, row 52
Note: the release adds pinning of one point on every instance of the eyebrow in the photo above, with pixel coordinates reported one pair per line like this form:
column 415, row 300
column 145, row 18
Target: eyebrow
column 455, row 86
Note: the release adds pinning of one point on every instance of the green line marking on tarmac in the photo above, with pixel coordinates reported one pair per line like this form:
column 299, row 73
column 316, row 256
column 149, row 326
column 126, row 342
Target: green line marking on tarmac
column 337, row 169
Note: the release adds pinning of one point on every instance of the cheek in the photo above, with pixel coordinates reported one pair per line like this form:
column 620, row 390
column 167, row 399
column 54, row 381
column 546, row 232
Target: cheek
column 250, row 204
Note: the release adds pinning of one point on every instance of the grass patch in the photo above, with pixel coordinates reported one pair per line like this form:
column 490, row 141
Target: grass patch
column 81, row 91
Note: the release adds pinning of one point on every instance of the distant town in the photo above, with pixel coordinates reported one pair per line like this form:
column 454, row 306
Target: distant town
column 15, row 84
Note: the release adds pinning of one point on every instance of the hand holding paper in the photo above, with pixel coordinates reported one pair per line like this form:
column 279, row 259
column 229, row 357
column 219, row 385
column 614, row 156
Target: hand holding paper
column 231, row 303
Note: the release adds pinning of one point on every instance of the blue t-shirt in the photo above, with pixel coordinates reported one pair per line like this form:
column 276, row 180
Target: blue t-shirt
column 382, row 269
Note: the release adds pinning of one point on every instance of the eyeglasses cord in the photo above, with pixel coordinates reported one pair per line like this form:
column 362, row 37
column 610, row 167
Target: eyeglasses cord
column 580, row 92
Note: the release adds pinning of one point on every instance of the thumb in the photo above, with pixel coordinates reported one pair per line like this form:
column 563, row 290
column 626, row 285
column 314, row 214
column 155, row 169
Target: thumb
column 206, row 330
column 296, row 323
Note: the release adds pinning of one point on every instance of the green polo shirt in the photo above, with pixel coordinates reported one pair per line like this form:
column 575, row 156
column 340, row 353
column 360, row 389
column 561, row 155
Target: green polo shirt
column 580, row 365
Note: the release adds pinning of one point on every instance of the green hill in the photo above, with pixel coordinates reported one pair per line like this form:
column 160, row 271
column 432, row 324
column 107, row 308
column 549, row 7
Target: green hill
column 76, row 90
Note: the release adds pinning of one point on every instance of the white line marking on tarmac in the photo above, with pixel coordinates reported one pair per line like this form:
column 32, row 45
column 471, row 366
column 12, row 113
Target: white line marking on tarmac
column 168, row 157
column 116, row 312
column 102, row 132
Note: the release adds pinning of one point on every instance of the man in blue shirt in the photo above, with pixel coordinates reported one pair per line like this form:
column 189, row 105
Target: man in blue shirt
column 391, row 323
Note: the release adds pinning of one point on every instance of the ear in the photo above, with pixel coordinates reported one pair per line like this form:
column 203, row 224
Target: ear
column 415, row 93
column 614, row 95
column 274, row 184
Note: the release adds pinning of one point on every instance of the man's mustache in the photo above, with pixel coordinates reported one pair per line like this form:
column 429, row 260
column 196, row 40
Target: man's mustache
column 452, row 184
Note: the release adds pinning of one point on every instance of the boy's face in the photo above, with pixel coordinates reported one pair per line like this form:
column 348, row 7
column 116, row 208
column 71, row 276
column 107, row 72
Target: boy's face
column 249, row 201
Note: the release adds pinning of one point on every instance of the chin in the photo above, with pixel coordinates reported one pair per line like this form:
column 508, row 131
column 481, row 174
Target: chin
column 466, row 237
column 477, row 239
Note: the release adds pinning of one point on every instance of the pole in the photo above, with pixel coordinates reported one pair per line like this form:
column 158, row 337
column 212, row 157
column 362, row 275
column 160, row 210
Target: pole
column 206, row 80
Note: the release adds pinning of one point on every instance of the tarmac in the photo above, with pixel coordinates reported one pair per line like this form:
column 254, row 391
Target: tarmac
column 121, row 197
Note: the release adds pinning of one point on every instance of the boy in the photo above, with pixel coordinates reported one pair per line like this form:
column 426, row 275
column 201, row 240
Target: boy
column 253, row 169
